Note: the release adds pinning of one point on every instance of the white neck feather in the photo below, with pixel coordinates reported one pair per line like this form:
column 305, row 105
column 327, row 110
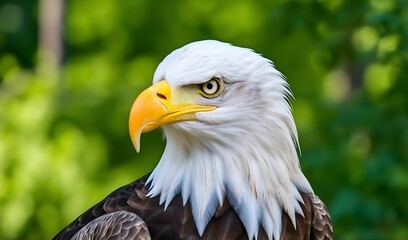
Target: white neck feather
column 258, row 172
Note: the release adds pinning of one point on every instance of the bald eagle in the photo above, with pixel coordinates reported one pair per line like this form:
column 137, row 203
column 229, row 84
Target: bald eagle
column 230, row 168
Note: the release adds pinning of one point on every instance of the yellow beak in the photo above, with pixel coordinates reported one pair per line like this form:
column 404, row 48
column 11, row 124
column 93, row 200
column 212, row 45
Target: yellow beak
column 156, row 106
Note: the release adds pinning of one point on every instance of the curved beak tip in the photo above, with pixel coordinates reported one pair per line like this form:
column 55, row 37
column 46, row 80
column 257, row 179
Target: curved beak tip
column 135, row 137
column 137, row 146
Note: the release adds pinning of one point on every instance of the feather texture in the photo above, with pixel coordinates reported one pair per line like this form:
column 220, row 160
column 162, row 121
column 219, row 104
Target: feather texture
column 114, row 225
column 176, row 222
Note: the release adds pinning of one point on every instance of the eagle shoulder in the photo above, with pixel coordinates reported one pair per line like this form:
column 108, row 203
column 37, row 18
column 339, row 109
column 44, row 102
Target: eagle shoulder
column 322, row 227
column 314, row 224
column 115, row 225
column 113, row 211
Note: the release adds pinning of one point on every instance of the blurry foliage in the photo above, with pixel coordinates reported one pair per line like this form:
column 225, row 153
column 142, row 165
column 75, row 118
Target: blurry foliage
column 64, row 141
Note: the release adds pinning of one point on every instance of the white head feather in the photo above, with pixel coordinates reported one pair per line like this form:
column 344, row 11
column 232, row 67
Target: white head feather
column 245, row 150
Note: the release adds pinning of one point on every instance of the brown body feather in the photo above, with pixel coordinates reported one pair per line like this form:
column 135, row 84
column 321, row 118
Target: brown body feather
column 177, row 221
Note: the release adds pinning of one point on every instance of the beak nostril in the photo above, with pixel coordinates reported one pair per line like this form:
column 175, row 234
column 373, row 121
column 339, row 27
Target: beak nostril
column 161, row 96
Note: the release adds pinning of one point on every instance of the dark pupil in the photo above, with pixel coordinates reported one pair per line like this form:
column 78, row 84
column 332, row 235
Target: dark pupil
column 209, row 86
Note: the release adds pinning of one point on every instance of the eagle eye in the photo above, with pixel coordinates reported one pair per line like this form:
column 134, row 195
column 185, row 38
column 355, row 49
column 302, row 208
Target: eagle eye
column 210, row 89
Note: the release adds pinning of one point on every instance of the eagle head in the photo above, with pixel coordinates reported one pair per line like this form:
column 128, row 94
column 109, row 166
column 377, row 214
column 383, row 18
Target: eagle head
column 230, row 135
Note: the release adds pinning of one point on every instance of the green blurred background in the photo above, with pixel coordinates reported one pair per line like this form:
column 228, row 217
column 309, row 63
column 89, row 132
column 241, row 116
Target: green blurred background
column 69, row 73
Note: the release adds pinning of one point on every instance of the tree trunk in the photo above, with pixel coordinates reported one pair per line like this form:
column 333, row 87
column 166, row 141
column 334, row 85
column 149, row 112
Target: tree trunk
column 50, row 35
